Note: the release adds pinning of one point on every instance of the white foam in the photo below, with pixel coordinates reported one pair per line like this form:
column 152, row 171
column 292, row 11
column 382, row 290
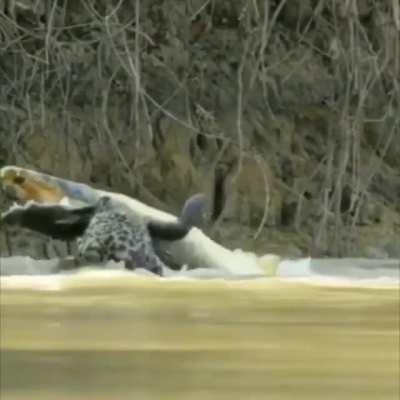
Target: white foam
column 294, row 268
column 371, row 273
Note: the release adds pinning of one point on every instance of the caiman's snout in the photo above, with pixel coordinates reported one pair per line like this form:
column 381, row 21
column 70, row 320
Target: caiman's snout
column 24, row 186
column 42, row 188
column 11, row 183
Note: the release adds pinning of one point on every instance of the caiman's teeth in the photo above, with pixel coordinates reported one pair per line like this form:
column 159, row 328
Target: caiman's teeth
column 14, row 206
column 65, row 201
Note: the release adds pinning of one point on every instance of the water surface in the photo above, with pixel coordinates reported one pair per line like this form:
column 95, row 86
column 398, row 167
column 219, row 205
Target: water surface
column 130, row 337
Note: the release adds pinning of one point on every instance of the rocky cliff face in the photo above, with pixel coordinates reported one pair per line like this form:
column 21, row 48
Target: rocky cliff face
column 286, row 112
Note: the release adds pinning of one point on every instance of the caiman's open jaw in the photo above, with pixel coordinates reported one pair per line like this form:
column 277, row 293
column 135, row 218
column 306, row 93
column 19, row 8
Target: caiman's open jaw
column 25, row 185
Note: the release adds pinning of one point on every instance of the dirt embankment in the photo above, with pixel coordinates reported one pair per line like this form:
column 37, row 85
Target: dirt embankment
column 286, row 112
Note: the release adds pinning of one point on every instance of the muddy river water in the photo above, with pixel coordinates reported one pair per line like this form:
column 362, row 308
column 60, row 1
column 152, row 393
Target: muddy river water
column 130, row 337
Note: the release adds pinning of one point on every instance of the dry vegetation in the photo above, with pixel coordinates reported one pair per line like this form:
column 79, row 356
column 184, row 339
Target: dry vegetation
column 287, row 111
